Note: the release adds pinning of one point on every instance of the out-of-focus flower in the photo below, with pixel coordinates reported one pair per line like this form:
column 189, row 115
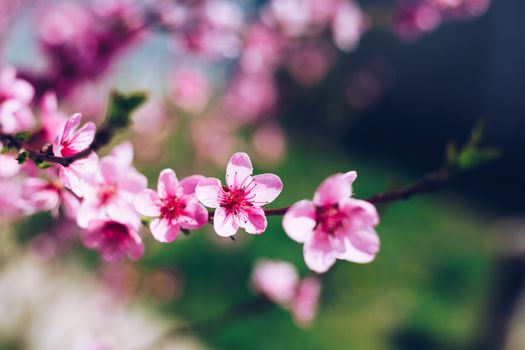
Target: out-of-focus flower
column 239, row 204
column 151, row 118
column 9, row 167
column 262, row 49
column 11, row 205
column 289, row 16
column 348, row 25
column 49, row 195
column 305, row 302
column 250, row 96
column 214, row 139
column 69, row 142
column 279, row 282
column 174, row 206
column 334, row 226
column 414, row 19
column 113, row 239
column 111, row 190
column 13, row 88
column 190, row 89
column 15, row 96
column 100, row 320
column 64, row 23
column 269, row 143
column 52, row 121
column 276, row 280
column 308, row 65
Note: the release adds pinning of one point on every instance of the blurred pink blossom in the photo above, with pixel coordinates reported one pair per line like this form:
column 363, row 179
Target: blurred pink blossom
column 348, row 25
column 49, row 195
column 111, row 190
column 174, row 206
column 305, row 302
column 190, row 89
column 334, row 226
column 15, row 96
column 239, row 204
column 113, row 239
column 276, row 280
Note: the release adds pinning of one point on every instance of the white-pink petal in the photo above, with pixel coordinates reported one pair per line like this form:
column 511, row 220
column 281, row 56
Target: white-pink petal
column 188, row 184
column 238, row 169
column 163, row 230
column 267, row 188
column 167, row 183
column 332, row 190
column 194, row 216
column 147, row 203
column 224, row 223
column 319, row 254
column 253, row 221
column 208, row 191
column 299, row 221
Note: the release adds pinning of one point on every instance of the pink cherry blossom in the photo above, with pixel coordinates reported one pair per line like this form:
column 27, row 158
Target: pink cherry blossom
column 111, row 190
column 276, row 280
column 70, row 142
column 49, row 195
column 239, row 203
column 15, row 116
column 174, row 206
column 305, row 301
column 13, row 88
column 9, row 167
column 334, row 226
column 114, row 239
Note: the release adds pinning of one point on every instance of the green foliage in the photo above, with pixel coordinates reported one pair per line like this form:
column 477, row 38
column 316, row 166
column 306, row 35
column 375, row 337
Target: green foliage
column 472, row 154
column 22, row 157
column 120, row 107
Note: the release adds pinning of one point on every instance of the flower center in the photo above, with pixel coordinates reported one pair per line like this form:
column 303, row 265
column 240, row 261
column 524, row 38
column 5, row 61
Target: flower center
column 106, row 193
column 330, row 219
column 234, row 200
column 115, row 234
column 172, row 207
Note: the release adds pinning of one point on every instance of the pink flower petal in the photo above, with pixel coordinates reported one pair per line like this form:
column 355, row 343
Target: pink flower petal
column 167, row 183
column 147, row 203
column 208, row 191
column 306, row 300
column 73, row 122
column 194, row 216
column 238, row 169
column 299, row 221
column 70, row 204
column 82, row 139
column 255, row 220
column 9, row 167
column 319, row 254
column 332, row 190
column 133, row 182
column 225, row 225
column 135, row 246
column 71, row 180
column 277, row 280
column 361, row 247
column 123, row 153
column 87, row 213
column 188, row 184
column 362, row 213
column 267, row 188
column 164, row 231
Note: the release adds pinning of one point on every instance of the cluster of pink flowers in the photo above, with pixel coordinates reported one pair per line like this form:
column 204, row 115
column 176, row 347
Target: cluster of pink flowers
column 279, row 282
column 415, row 18
column 106, row 197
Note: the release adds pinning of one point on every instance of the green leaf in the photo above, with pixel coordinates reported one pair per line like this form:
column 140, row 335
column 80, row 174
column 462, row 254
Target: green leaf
column 43, row 164
column 22, row 157
column 120, row 107
column 23, row 136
